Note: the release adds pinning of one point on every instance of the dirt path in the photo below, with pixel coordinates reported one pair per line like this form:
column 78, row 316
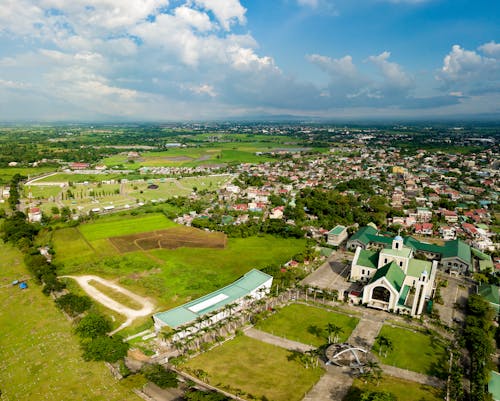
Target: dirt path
column 130, row 314
column 278, row 341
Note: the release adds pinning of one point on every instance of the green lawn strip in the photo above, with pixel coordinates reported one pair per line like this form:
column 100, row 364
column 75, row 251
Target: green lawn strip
column 257, row 368
column 404, row 390
column 414, row 351
column 124, row 225
column 307, row 324
column 40, row 355
column 116, row 295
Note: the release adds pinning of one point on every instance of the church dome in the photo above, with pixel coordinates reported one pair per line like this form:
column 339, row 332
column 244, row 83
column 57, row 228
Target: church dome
column 398, row 238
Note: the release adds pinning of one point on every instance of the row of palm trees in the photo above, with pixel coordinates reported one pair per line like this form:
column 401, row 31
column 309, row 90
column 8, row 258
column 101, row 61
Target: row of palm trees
column 212, row 327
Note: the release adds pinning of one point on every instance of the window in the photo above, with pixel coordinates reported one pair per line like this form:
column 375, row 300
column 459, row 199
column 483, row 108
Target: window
column 397, row 245
column 385, row 261
column 363, row 272
column 401, row 263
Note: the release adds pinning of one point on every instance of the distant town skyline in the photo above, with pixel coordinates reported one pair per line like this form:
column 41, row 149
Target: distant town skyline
column 159, row 60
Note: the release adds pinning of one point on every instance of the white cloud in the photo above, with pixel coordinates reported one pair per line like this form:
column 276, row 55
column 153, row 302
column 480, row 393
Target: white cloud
column 227, row 12
column 491, row 49
column 342, row 67
column 392, row 72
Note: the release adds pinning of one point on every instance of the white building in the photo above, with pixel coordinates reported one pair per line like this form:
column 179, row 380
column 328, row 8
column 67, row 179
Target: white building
column 395, row 281
column 336, row 235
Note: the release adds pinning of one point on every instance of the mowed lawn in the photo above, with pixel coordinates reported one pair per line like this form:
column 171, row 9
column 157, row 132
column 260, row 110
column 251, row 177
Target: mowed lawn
column 307, row 324
column 123, row 225
column 413, row 350
column 257, row 368
column 404, row 390
column 40, row 357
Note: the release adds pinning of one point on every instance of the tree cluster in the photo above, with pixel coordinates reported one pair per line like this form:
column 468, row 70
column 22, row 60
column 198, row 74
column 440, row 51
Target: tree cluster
column 478, row 334
column 95, row 343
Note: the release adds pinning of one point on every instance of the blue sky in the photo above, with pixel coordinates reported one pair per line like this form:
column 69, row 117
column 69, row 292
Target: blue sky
column 214, row 59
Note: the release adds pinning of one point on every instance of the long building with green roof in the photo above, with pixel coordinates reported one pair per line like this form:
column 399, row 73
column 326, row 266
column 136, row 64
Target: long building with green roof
column 393, row 279
column 209, row 309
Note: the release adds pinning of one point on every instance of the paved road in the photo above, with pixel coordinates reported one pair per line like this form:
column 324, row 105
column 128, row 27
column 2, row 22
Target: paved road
column 333, row 385
column 278, row 341
column 412, row 376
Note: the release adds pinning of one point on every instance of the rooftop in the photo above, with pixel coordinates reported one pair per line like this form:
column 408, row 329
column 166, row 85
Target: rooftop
column 393, row 273
column 337, row 230
column 190, row 311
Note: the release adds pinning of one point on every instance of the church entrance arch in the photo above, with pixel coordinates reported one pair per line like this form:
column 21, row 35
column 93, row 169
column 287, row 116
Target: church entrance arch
column 381, row 294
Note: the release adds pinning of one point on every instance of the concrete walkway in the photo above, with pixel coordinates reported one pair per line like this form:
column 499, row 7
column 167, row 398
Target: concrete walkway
column 365, row 333
column 412, row 376
column 278, row 341
column 333, row 385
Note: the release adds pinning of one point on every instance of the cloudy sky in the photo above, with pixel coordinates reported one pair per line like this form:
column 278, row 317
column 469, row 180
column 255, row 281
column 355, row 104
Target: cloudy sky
column 122, row 60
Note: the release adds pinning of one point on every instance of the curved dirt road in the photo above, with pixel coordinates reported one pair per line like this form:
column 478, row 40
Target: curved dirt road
column 130, row 314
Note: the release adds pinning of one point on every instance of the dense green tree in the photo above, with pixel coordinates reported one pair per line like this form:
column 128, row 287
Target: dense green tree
column 73, row 304
column 93, row 325
column 104, row 348
column 160, row 376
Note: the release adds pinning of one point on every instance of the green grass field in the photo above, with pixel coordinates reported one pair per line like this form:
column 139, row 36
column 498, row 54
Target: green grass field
column 40, row 357
column 414, row 351
column 115, row 226
column 172, row 276
column 404, row 390
column 257, row 368
column 7, row 173
column 307, row 324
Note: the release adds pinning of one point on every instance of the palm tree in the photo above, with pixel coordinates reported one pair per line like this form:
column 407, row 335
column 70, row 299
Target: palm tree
column 335, row 331
column 384, row 343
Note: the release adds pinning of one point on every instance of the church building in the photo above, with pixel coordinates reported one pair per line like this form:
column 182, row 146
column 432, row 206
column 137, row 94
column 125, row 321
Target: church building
column 393, row 279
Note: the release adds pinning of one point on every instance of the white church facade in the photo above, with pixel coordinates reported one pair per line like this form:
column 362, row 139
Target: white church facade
column 393, row 279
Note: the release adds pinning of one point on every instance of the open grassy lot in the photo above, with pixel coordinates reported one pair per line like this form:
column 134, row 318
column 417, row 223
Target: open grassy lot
column 172, row 276
column 257, row 368
column 40, row 358
column 307, row 324
column 404, row 390
column 7, row 173
column 119, row 225
column 190, row 157
column 188, row 273
column 414, row 351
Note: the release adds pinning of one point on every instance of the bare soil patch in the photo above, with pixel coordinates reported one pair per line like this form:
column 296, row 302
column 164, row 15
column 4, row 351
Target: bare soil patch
column 171, row 238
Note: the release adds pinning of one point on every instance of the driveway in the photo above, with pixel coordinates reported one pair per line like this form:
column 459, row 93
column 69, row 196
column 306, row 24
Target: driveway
column 456, row 292
column 130, row 314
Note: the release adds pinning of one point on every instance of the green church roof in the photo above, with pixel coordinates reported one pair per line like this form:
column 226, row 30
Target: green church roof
column 494, row 385
column 392, row 273
column 368, row 259
column 490, row 293
column 457, row 248
column 363, row 233
column 416, row 267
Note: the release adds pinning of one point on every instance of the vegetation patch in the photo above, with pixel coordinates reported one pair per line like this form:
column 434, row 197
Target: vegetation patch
column 255, row 368
column 39, row 353
column 307, row 324
column 416, row 351
column 124, row 225
column 403, row 390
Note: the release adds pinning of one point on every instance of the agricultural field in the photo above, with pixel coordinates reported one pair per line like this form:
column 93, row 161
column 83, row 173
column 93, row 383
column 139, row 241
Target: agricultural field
column 413, row 350
column 40, row 355
column 192, row 157
column 172, row 276
column 257, row 368
column 175, row 237
column 307, row 324
column 404, row 390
